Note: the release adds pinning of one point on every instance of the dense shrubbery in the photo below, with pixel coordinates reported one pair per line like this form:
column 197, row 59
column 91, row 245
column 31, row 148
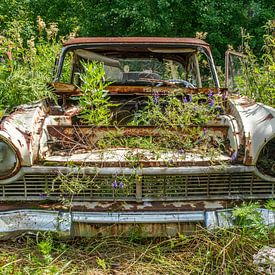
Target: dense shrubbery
column 258, row 74
column 221, row 19
column 26, row 66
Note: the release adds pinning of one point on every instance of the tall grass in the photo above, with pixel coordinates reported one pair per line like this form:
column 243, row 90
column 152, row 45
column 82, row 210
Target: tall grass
column 204, row 252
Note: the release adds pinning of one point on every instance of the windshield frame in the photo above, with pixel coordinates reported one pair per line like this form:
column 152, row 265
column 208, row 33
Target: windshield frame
column 201, row 48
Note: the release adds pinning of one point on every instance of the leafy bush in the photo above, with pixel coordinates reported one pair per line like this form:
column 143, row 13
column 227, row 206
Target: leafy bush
column 258, row 79
column 26, row 66
column 94, row 101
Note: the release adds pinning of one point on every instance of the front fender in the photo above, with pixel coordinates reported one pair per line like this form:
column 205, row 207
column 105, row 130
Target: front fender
column 257, row 124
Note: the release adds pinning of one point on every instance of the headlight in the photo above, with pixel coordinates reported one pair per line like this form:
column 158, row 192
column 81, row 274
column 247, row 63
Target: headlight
column 8, row 160
column 266, row 160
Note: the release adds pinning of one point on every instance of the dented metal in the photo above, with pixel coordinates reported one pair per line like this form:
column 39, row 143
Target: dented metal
column 70, row 224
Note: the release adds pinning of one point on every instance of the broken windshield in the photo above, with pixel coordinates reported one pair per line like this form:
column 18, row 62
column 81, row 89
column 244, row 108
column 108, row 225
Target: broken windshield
column 186, row 69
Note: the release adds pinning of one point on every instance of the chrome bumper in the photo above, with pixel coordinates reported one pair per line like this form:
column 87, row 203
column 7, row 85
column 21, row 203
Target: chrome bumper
column 60, row 222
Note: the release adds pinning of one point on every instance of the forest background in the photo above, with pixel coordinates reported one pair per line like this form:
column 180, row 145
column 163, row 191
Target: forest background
column 220, row 19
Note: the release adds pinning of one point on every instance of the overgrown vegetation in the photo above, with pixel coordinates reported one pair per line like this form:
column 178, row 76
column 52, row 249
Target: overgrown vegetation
column 179, row 119
column 258, row 74
column 203, row 252
column 26, row 67
column 95, row 101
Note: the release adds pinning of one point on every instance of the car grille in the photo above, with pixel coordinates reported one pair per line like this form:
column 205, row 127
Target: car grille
column 140, row 188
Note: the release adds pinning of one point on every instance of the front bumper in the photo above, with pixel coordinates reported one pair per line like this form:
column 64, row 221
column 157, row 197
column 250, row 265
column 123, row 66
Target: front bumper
column 63, row 223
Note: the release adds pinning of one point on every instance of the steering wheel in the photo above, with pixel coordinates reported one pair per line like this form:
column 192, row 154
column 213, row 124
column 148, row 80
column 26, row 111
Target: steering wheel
column 180, row 82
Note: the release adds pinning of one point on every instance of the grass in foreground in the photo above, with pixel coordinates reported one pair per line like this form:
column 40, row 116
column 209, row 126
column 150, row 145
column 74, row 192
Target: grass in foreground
column 203, row 252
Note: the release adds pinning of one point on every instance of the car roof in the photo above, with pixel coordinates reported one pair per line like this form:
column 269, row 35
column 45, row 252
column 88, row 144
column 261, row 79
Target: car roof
column 136, row 40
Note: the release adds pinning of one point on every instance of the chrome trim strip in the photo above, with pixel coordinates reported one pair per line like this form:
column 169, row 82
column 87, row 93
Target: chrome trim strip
column 141, row 171
column 185, row 170
column 138, row 217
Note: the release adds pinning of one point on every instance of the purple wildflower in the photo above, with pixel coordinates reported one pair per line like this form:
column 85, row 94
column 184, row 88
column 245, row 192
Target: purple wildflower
column 234, row 156
column 211, row 102
column 190, row 98
column 121, row 185
column 156, row 98
column 195, row 109
column 114, row 184
column 181, row 151
column 210, row 94
column 185, row 100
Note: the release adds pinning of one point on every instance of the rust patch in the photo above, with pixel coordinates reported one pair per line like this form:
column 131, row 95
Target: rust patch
column 64, row 88
column 268, row 117
column 145, row 90
column 122, row 206
column 129, row 131
column 248, row 160
column 133, row 40
column 71, row 90
column 143, row 230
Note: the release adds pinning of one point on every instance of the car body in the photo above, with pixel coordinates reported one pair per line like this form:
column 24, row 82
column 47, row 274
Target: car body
column 43, row 145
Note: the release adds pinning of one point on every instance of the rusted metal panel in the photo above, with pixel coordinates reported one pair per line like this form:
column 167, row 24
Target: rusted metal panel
column 145, row 90
column 126, row 230
column 135, row 40
column 126, row 131
column 65, row 88
column 23, row 127
column 72, row 90
column 257, row 124
column 122, row 206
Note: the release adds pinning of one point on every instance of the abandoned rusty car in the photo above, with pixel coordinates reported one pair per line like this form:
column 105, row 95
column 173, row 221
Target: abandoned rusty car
column 153, row 143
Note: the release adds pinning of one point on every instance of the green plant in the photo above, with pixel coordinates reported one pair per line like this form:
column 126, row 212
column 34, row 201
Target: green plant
column 45, row 247
column 270, row 204
column 26, row 66
column 102, row 263
column 258, row 79
column 95, row 101
column 248, row 217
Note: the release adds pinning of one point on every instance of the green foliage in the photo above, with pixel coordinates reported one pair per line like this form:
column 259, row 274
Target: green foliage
column 95, row 102
column 25, row 69
column 102, row 263
column 270, row 204
column 220, row 19
column 45, row 247
column 248, row 217
column 174, row 111
column 179, row 122
column 258, row 79
column 69, row 184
